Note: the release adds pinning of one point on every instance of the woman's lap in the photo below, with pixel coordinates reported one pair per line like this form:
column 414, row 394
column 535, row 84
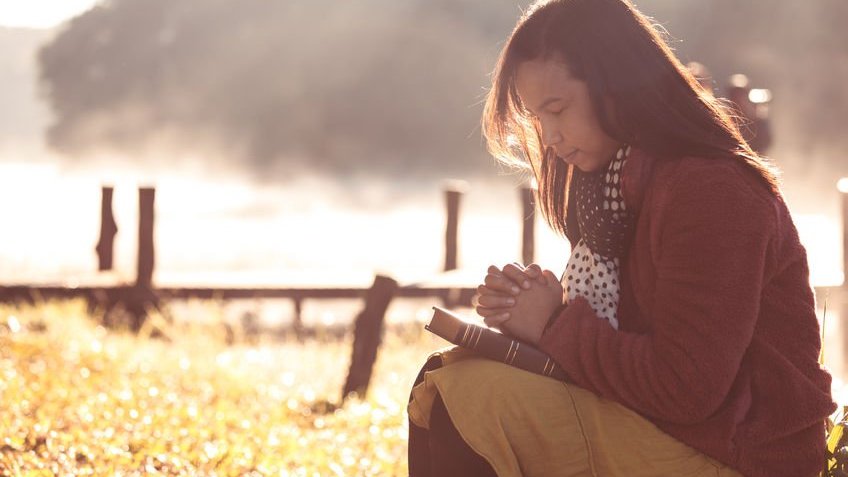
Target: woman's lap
column 527, row 425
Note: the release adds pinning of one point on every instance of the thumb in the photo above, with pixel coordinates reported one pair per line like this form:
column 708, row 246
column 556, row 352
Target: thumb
column 550, row 277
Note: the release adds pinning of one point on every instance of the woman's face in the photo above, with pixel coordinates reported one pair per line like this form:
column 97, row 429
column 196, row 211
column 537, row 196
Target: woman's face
column 562, row 106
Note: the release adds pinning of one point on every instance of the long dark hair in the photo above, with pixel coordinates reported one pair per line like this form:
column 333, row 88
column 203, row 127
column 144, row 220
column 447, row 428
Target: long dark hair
column 657, row 104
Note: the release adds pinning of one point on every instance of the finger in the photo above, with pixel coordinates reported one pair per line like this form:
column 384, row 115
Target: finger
column 493, row 270
column 550, row 276
column 498, row 284
column 534, row 271
column 492, row 297
column 496, row 301
column 496, row 320
column 486, row 311
column 517, row 275
column 492, row 290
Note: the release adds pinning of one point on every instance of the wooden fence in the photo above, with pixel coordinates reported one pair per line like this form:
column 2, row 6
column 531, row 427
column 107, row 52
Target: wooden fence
column 142, row 296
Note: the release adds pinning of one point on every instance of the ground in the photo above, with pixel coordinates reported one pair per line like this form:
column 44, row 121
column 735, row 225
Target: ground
column 81, row 400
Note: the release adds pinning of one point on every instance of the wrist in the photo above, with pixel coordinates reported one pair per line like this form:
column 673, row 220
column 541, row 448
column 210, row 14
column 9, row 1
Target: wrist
column 553, row 317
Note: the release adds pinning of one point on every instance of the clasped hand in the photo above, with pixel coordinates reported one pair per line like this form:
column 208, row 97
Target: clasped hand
column 519, row 300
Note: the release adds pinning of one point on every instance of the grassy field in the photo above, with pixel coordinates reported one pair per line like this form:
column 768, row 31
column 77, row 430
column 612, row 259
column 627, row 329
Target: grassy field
column 80, row 400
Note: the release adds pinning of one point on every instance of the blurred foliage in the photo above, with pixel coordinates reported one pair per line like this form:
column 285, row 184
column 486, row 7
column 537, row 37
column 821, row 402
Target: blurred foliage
column 335, row 88
column 836, row 458
column 81, row 400
column 383, row 88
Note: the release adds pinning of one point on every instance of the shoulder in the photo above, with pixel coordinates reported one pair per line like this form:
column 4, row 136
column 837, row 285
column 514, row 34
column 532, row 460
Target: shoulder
column 702, row 202
column 648, row 181
column 713, row 182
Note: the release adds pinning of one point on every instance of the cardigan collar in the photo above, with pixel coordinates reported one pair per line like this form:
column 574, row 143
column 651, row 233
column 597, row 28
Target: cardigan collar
column 635, row 178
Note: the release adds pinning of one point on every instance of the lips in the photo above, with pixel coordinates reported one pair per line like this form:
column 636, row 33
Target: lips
column 567, row 156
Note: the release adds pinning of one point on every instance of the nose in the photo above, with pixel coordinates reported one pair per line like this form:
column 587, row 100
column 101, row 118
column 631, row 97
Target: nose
column 550, row 135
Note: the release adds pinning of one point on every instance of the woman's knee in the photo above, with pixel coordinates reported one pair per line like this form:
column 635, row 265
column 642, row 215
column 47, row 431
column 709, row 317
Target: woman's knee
column 434, row 361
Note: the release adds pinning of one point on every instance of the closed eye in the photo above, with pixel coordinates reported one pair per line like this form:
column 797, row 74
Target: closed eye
column 529, row 114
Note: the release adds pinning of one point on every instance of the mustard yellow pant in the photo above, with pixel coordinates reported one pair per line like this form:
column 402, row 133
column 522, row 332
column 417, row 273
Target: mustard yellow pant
column 526, row 425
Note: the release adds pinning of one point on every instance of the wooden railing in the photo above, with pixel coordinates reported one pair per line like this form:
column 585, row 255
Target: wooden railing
column 139, row 297
column 143, row 295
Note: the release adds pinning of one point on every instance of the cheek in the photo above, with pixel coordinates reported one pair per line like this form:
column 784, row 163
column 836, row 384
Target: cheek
column 579, row 129
column 588, row 128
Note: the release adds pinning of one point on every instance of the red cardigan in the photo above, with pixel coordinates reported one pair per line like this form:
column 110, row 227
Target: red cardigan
column 718, row 340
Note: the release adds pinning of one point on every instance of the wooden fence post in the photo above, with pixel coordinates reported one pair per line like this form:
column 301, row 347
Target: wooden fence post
column 108, row 229
column 453, row 194
column 141, row 297
column 528, row 219
column 146, row 253
column 297, row 322
column 367, row 335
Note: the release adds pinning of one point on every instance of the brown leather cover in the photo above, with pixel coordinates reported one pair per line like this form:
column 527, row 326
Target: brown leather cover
column 492, row 344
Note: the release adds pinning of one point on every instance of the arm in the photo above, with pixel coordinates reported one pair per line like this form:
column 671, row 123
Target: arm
column 712, row 255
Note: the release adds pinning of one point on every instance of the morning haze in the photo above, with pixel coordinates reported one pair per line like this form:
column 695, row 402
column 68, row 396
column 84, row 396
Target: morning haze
column 387, row 88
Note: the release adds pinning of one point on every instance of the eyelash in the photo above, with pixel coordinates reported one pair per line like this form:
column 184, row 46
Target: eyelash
column 553, row 113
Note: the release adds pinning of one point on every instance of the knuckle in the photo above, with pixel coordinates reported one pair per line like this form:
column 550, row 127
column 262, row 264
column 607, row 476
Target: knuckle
column 485, row 311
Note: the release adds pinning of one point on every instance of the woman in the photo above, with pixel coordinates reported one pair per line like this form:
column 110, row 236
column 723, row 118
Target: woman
column 684, row 320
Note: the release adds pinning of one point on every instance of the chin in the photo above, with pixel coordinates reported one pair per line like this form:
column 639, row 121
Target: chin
column 580, row 160
column 587, row 166
column 590, row 164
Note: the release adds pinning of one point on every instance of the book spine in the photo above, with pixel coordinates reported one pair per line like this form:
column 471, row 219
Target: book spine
column 507, row 350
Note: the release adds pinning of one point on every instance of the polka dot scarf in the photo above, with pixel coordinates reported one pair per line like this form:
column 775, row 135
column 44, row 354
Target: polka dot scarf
column 605, row 224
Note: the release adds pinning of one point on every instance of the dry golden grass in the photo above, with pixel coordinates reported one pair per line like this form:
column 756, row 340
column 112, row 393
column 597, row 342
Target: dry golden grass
column 80, row 400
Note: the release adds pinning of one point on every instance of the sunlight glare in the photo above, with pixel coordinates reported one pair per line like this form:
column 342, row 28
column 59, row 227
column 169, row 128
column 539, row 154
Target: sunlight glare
column 820, row 234
column 759, row 96
column 41, row 13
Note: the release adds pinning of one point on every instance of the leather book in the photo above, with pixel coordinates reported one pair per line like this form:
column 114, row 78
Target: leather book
column 492, row 344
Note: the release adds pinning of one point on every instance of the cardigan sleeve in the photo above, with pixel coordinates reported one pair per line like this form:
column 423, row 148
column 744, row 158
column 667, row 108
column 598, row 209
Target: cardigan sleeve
column 710, row 256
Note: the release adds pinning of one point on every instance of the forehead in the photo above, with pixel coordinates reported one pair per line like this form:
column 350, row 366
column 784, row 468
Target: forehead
column 537, row 80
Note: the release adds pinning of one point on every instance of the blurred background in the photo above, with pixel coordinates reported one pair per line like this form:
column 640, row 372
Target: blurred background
column 306, row 142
